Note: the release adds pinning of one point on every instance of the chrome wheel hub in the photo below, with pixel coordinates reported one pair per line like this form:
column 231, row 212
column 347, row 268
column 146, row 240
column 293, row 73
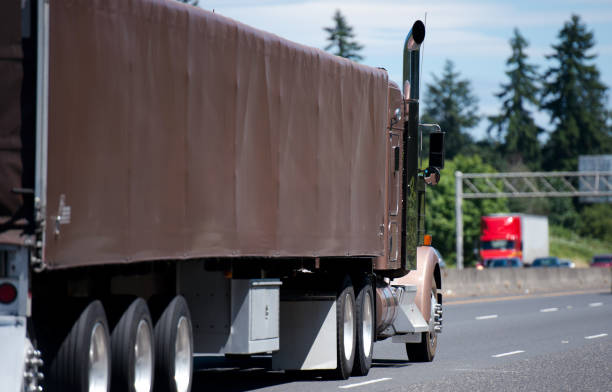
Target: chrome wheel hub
column 183, row 360
column 367, row 325
column 98, row 360
column 349, row 323
column 143, row 355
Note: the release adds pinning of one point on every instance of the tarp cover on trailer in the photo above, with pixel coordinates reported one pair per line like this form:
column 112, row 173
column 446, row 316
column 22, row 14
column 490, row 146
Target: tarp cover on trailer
column 177, row 133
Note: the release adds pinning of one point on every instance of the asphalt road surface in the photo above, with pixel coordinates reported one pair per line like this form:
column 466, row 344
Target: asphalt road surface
column 532, row 343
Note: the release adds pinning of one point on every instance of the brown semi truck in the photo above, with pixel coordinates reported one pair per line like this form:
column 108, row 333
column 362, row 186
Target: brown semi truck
column 175, row 183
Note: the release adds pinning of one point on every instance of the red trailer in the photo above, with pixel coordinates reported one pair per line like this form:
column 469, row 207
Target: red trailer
column 519, row 236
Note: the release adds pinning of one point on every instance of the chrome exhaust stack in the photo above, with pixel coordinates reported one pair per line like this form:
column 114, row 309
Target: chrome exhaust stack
column 412, row 51
column 411, row 224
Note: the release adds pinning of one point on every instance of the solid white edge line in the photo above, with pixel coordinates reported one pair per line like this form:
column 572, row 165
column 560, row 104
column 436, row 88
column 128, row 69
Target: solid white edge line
column 506, row 354
column 601, row 335
column 490, row 316
column 364, row 383
column 595, row 304
column 548, row 310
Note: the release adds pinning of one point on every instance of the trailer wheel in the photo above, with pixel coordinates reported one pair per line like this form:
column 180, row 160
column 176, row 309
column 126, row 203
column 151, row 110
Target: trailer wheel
column 132, row 350
column 83, row 362
column 174, row 348
column 345, row 327
column 365, row 329
column 426, row 350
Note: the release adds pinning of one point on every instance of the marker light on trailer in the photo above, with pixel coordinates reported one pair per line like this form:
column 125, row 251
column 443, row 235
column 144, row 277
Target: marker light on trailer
column 8, row 293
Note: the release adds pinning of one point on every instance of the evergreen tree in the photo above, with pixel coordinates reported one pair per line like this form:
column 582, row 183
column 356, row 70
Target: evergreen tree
column 449, row 102
column 576, row 100
column 340, row 37
column 515, row 124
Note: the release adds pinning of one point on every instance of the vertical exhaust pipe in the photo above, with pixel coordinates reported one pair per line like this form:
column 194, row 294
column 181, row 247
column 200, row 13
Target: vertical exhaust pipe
column 412, row 51
column 410, row 81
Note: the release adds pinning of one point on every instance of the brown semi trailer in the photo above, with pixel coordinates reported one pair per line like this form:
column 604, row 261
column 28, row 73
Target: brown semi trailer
column 175, row 183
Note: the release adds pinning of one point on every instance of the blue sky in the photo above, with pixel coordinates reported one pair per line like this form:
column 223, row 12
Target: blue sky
column 473, row 34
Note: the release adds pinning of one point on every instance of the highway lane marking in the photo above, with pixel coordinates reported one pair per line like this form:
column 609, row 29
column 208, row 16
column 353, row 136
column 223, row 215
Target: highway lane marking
column 487, row 317
column 601, row 335
column 595, row 304
column 506, row 354
column 548, row 310
column 359, row 384
column 450, row 302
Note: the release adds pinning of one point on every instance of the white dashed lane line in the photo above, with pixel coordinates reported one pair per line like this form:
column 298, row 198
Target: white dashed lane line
column 359, row 384
column 595, row 304
column 507, row 354
column 601, row 335
column 547, row 310
column 487, row 317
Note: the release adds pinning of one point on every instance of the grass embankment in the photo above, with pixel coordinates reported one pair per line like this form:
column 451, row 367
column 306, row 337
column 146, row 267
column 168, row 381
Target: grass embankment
column 566, row 244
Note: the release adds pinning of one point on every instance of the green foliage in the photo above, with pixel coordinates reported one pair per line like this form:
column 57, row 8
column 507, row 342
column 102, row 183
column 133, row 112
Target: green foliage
column 514, row 124
column 340, row 37
column 449, row 101
column 596, row 222
column 567, row 244
column 441, row 210
column 576, row 100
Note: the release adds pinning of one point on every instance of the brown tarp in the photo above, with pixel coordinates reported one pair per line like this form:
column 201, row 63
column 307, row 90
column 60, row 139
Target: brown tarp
column 178, row 133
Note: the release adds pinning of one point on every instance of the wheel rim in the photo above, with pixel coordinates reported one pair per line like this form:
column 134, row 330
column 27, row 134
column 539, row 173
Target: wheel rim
column 98, row 359
column 143, row 354
column 348, row 327
column 182, row 357
column 367, row 325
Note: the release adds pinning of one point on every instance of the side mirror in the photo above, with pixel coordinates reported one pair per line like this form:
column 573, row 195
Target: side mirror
column 436, row 150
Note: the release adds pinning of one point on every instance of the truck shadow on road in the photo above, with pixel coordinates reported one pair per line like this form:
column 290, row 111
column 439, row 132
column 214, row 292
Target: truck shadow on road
column 244, row 374
column 241, row 375
column 390, row 363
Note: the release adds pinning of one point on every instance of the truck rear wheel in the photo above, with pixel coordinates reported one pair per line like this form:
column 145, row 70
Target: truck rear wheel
column 174, row 348
column 346, row 328
column 426, row 350
column 83, row 361
column 132, row 350
column 365, row 329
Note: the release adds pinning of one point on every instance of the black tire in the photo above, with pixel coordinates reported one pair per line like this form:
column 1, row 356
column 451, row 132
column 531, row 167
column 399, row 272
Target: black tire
column 426, row 350
column 366, row 325
column 345, row 309
column 69, row 370
column 176, row 316
column 123, row 347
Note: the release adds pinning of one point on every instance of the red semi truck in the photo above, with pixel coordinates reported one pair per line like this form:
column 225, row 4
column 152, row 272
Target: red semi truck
column 519, row 236
column 174, row 182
